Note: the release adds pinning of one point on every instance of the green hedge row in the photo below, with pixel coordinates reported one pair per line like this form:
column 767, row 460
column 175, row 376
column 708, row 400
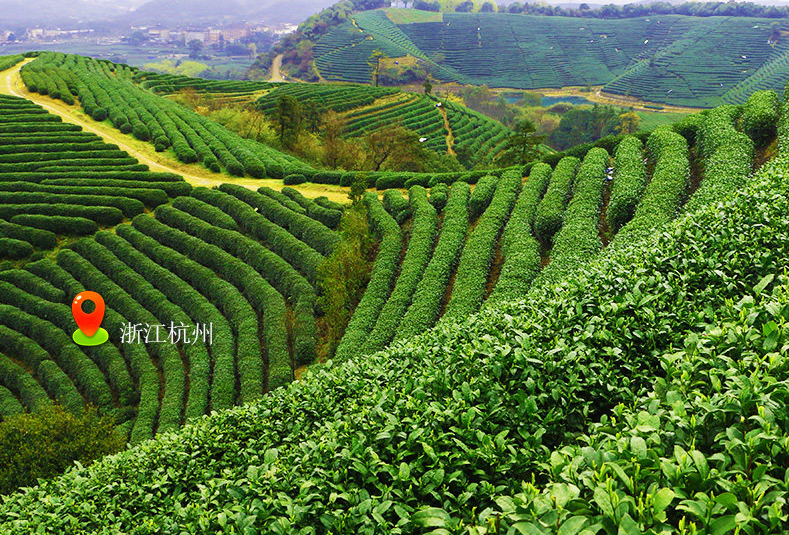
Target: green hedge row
column 295, row 252
column 663, row 196
column 381, row 279
column 579, row 238
column 56, row 224
column 482, row 195
column 439, row 195
column 520, row 249
column 13, row 249
column 206, row 212
column 759, row 120
column 548, row 218
column 306, row 229
column 327, row 203
column 429, row 295
column 328, row 216
column 279, row 274
column 16, row 313
column 183, row 276
column 417, row 256
column 128, row 207
column 9, row 405
column 150, row 198
column 103, row 273
column 196, row 262
column 283, row 199
column 728, row 158
column 630, row 178
column 394, row 202
column 137, row 271
column 172, row 189
column 135, row 355
column 33, row 284
column 31, row 393
column 105, row 215
column 471, row 280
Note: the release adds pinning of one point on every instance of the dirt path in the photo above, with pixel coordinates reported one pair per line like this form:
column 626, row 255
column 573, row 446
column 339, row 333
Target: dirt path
column 276, row 73
column 11, row 84
column 450, row 135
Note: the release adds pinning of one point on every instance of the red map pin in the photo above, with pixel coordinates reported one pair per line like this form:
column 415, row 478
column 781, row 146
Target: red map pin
column 88, row 323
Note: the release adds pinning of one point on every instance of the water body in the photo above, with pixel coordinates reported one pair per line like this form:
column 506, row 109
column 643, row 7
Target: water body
column 550, row 101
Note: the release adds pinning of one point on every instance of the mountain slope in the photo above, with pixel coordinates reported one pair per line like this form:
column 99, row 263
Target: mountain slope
column 441, row 431
column 675, row 59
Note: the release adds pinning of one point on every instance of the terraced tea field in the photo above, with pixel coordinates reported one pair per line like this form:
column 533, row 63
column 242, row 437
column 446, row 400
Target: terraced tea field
column 674, row 59
column 517, row 327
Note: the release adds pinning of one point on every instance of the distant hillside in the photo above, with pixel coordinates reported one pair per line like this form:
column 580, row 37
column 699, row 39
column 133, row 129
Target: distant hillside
column 691, row 61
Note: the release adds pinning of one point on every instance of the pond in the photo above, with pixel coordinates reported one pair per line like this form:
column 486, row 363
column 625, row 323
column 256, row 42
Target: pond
column 512, row 98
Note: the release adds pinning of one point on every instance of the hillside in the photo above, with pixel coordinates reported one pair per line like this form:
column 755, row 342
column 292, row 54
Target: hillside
column 672, row 59
column 633, row 390
column 99, row 87
column 589, row 343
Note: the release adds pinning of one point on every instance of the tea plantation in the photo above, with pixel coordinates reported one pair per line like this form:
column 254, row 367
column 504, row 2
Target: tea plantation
column 590, row 344
column 675, row 59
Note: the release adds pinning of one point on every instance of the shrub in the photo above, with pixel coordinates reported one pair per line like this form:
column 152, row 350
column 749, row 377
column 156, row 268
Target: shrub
column 471, row 279
column 14, row 249
column 759, row 118
column 420, row 248
column 426, row 305
column 630, row 177
column 548, row 218
column 521, row 251
column 74, row 226
column 663, row 196
column 482, row 195
column 41, row 239
column 292, row 180
column 579, row 238
column 381, row 278
column 45, row 444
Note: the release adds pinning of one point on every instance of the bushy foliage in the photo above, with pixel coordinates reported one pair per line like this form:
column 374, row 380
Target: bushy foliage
column 42, row 445
column 630, row 178
column 475, row 262
column 759, row 118
column 521, row 250
column 417, row 256
column 548, row 218
column 382, row 278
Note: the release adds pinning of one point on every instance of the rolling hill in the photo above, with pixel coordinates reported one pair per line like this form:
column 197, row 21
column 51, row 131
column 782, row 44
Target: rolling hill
column 628, row 370
column 591, row 346
column 674, row 59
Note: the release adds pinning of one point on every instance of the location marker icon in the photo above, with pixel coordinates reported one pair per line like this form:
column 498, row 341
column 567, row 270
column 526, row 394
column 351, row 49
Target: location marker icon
column 89, row 333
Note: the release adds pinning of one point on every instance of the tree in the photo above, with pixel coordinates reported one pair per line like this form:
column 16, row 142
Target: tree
column 287, row 118
column 629, row 122
column 584, row 7
column 487, row 7
column 358, row 187
column 522, row 146
column 313, row 116
column 465, row 7
column 428, row 86
column 375, row 62
column 344, row 275
column 338, row 152
column 394, row 147
column 195, row 48
column 424, row 5
column 45, row 444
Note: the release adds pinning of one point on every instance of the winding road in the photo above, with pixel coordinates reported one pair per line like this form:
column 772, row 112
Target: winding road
column 158, row 162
